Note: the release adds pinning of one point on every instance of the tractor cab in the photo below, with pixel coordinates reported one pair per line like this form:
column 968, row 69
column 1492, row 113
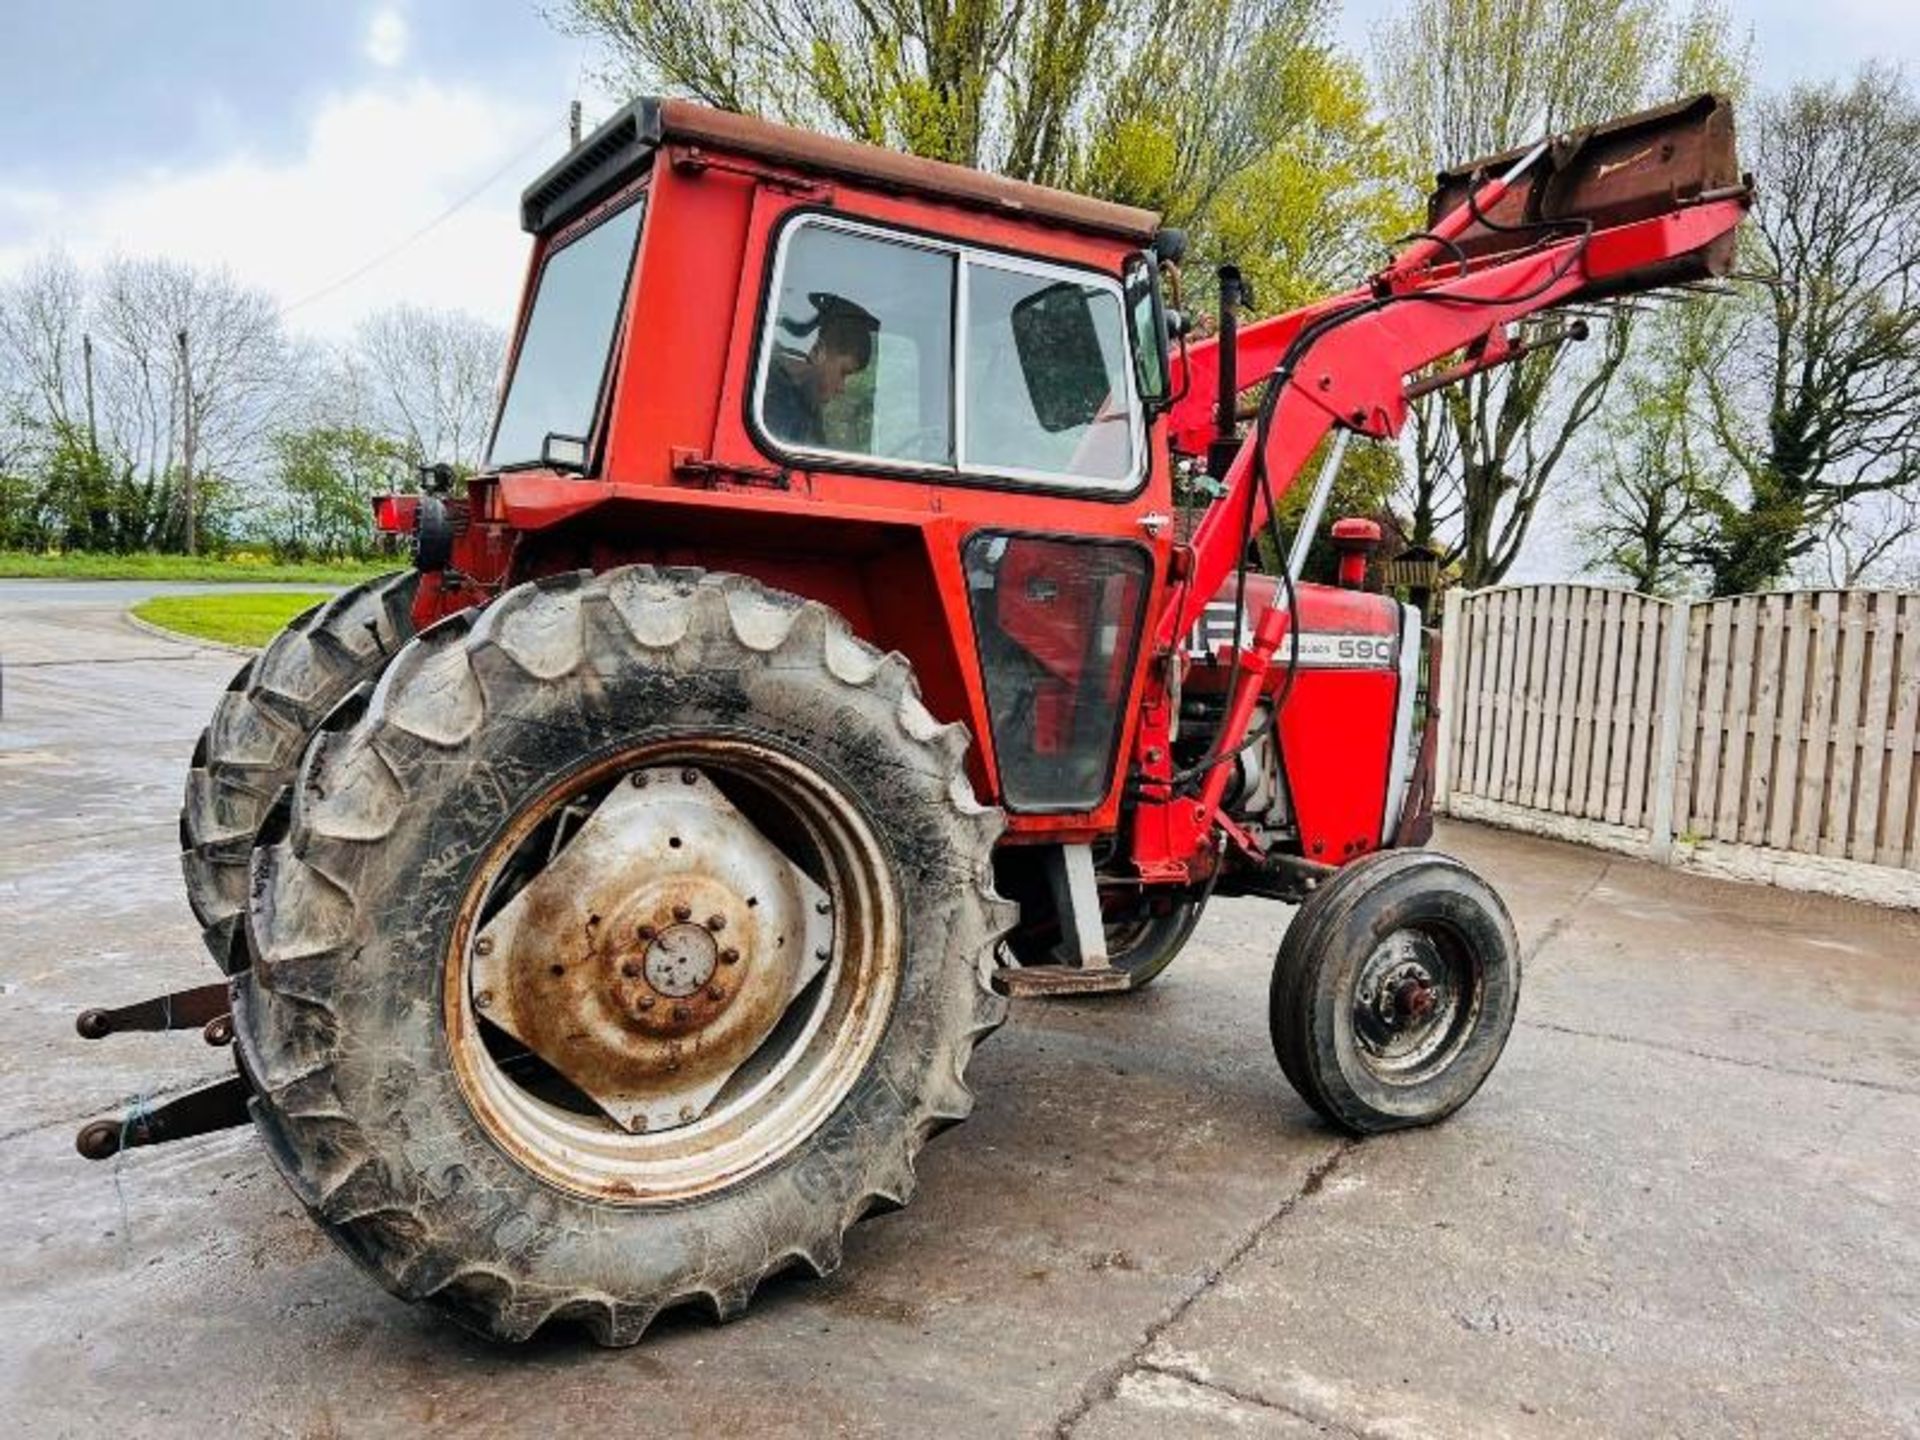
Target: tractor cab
column 923, row 395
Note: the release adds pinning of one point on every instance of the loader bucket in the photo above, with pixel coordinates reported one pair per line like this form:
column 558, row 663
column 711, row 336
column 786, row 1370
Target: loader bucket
column 1634, row 168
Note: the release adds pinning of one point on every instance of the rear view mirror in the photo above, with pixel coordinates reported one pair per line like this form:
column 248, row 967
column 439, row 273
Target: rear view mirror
column 1153, row 330
column 1060, row 357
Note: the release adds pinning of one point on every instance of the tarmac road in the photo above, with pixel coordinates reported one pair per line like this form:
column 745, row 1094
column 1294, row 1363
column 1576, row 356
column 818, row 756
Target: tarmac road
column 1684, row 1204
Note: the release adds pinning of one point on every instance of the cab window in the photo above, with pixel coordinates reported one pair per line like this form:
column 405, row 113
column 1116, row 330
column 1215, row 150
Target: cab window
column 563, row 358
column 1046, row 384
column 919, row 355
column 856, row 360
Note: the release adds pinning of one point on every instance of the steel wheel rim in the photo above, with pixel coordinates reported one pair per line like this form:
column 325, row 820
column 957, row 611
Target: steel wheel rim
column 1413, row 1003
column 788, row 1096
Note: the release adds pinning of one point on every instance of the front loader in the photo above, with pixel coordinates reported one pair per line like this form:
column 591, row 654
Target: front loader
column 609, row 904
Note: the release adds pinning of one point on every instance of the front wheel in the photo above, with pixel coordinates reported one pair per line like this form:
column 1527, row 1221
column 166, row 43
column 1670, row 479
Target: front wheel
column 1394, row 991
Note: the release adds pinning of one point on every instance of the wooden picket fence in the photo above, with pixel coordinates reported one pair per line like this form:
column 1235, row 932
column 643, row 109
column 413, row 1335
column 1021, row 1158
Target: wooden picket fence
column 1784, row 721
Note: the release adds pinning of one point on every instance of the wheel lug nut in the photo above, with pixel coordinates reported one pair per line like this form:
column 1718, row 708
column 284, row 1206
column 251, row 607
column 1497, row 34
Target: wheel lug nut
column 483, row 946
column 716, row 992
column 638, row 779
column 688, row 777
column 645, row 1002
column 821, row 952
column 822, row 907
column 729, row 956
column 681, row 1013
column 645, row 932
column 683, row 912
column 483, row 999
column 631, row 969
column 716, row 923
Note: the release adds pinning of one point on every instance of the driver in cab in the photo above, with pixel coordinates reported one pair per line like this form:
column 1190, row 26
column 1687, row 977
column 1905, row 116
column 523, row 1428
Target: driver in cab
column 800, row 385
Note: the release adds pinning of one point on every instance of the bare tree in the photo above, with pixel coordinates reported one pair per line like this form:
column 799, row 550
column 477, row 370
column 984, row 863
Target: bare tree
column 431, row 380
column 236, row 391
column 1818, row 402
column 1873, row 541
column 42, row 322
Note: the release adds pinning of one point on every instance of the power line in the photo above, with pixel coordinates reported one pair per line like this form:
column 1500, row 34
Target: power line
column 392, row 250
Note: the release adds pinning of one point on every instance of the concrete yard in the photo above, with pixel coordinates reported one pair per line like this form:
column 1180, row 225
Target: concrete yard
column 1684, row 1204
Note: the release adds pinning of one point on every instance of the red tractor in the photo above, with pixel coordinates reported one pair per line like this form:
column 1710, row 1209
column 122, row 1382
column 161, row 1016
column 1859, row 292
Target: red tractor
column 610, row 903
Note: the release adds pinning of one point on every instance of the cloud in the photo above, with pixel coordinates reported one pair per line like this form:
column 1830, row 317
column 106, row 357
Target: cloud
column 387, row 38
column 378, row 165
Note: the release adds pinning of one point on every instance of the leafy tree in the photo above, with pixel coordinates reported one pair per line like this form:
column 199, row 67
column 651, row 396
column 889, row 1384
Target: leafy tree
column 1653, row 469
column 1234, row 118
column 327, row 477
column 975, row 82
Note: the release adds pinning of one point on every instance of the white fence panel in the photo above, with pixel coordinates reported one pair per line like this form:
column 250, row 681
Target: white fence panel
column 1774, row 728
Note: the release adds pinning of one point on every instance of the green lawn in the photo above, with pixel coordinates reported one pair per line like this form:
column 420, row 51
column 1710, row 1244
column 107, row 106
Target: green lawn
column 21, row 565
column 247, row 618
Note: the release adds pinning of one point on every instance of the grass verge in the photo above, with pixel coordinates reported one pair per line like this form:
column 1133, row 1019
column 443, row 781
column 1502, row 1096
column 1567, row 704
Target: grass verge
column 24, row 565
column 248, row 618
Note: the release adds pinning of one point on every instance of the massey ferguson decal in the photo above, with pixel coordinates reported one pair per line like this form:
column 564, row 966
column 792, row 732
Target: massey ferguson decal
column 1319, row 649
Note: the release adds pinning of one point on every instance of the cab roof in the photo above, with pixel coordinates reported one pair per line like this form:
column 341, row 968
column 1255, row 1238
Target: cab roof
column 625, row 145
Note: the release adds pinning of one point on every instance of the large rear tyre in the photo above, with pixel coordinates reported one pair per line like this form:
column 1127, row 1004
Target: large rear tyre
column 531, row 1035
column 249, row 751
column 1394, row 991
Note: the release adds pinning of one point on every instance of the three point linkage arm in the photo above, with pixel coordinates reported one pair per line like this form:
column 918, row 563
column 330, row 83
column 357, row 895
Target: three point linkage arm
column 1560, row 224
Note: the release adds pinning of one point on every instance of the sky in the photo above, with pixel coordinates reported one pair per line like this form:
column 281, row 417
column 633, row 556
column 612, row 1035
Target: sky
column 294, row 143
column 346, row 156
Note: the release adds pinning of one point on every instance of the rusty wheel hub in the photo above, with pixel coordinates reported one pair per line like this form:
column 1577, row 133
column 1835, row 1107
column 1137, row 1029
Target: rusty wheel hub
column 656, row 952
column 1406, row 1002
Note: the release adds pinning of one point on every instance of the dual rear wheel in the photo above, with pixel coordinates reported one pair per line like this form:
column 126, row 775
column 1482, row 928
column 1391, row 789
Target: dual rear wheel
column 621, row 951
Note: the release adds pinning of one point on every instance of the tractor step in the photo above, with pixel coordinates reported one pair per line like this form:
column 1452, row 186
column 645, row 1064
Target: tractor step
column 1035, row 981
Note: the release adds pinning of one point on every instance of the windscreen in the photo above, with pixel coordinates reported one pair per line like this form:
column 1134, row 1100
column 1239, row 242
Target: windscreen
column 569, row 340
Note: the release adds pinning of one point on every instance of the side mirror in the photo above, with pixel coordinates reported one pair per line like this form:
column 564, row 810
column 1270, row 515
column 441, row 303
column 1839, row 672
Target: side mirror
column 1152, row 327
column 1060, row 356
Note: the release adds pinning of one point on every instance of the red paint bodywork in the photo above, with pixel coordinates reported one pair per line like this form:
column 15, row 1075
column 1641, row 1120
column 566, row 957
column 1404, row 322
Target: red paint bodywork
column 675, row 477
column 1336, row 728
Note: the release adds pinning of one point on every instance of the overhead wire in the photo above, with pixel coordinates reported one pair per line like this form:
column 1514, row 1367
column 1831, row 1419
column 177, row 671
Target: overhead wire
column 438, row 220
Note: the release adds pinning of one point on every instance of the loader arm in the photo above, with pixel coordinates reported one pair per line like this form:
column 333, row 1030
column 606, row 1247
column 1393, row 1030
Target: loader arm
column 1600, row 213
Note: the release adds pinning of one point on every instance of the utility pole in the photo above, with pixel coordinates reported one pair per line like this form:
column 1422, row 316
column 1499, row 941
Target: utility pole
column 86, row 360
column 186, row 443
column 573, row 123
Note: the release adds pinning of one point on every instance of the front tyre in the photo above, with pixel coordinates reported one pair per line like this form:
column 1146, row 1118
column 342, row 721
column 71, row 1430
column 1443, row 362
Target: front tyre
column 623, row 952
column 1394, row 991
